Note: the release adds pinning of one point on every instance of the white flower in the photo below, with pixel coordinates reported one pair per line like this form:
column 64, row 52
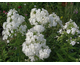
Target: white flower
column 40, row 37
column 24, row 4
column 8, row 19
column 33, row 44
column 75, row 25
column 78, row 31
column 73, row 30
column 7, row 41
column 55, row 19
column 44, row 53
column 13, row 23
column 22, row 29
column 39, row 28
column 32, row 58
column 29, row 34
column 73, row 43
column 54, row 23
column 15, row 16
column 34, row 5
column 68, row 31
column 42, row 17
column 4, row 25
column 33, row 21
column 60, row 31
column 11, row 11
column 8, row 26
column 77, row 42
column 15, row 34
column 11, row 31
column 65, row 27
column 44, row 12
column 38, row 16
column 5, row 37
column 28, row 40
column 79, row 35
column 33, row 13
column 53, row 14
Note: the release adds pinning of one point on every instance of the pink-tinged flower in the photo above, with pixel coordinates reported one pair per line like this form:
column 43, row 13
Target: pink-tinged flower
column 8, row 3
column 75, row 11
column 4, row 11
column 19, row 7
column 26, row 14
column 71, row 3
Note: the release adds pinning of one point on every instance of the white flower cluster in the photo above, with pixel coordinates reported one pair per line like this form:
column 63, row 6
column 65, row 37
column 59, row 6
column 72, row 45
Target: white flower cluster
column 54, row 19
column 42, row 17
column 38, row 28
column 70, row 27
column 35, row 44
column 13, row 25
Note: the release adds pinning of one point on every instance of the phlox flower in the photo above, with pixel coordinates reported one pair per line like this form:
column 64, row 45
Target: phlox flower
column 73, row 43
column 13, row 25
column 34, row 42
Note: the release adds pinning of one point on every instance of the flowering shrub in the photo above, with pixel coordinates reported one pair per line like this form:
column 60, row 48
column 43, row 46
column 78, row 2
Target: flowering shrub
column 42, row 17
column 47, row 39
column 13, row 25
column 71, row 30
column 69, row 38
column 35, row 46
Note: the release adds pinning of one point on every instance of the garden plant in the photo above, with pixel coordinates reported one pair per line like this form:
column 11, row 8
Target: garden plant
column 39, row 32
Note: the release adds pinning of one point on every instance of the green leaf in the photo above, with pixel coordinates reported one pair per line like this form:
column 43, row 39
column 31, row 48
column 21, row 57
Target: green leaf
column 61, row 59
column 72, row 58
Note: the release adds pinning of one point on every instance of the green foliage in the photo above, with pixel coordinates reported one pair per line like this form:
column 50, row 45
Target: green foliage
column 61, row 51
column 12, row 52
